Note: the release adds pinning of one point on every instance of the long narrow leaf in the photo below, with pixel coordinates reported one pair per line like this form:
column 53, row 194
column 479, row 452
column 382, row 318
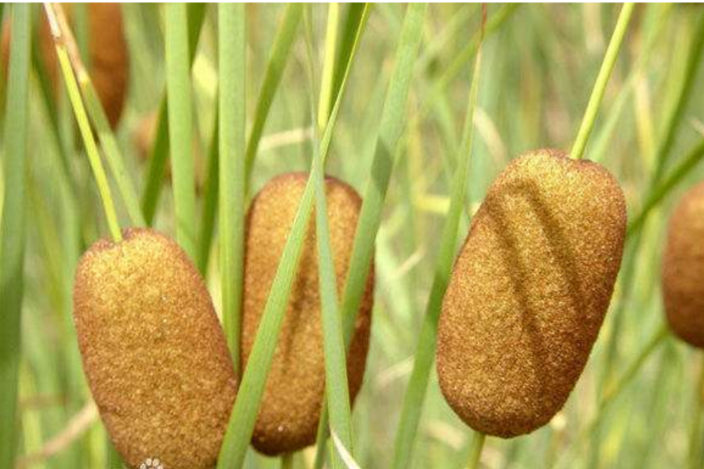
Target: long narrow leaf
column 104, row 131
column 272, row 77
column 231, row 45
column 58, row 24
column 160, row 148
column 392, row 126
column 13, row 229
column 244, row 414
column 178, row 85
column 425, row 351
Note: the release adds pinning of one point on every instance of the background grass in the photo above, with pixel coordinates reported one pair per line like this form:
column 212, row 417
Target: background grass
column 540, row 63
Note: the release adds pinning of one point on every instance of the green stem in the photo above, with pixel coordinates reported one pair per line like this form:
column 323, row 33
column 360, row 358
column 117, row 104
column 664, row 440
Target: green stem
column 425, row 348
column 232, row 63
column 287, row 461
column 12, row 230
column 178, row 84
column 83, row 123
column 244, row 414
column 326, row 86
column 159, row 152
column 602, row 80
column 103, row 129
column 285, row 38
column 475, row 452
column 688, row 163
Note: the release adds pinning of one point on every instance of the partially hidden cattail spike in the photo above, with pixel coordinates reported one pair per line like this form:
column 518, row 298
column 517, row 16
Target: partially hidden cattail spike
column 108, row 56
column 529, row 292
column 293, row 397
column 683, row 268
column 153, row 351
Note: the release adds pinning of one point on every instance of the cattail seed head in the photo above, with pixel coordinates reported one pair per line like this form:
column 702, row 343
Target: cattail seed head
column 529, row 292
column 290, row 409
column 683, row 268
column 153, row 351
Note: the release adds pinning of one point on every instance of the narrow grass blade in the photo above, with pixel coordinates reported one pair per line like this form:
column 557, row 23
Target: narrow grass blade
column 335, row 379
column 160, row 149
column 602, row 80
column 333, row 341
column 356, row 13
column 285, row 38
column 244, row 413
column 211, row 190
column 326, row 85
column 104, row 131
column 392, row 126
column 684, row 167
column 659, row 14
column 57, row 22
column 686, row 87
column 282, row 44
column 178, row 85
column 232, row 84
column 336, row 383
column 425, row 351
column 12, row 230
column 345, row 455
column 465, row 55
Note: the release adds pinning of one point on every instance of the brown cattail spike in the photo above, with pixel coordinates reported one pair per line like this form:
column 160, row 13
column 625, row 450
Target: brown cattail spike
column 108, row 60
column 290, row 409
column 683, row 268
column 529, row 292
column 153, row 351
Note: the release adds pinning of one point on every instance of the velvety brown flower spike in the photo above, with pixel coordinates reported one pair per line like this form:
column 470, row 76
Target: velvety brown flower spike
column 529, row 292
column 290, row 409
column 153, row 351
column 683, row 268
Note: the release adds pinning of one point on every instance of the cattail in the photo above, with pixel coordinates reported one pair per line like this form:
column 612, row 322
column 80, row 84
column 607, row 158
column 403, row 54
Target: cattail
column 153, row 351
column 290, row 409
column 683, row 268
column 108, row 59
column 529, row 292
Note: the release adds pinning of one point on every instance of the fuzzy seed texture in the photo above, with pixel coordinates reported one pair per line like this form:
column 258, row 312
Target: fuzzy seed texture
column 153, row 351
column 292, row 401
column 683, row 268
column 529, row 292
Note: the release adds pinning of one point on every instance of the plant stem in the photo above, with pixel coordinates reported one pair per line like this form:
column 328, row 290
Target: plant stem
column 602, row 80
column 285, row 38
column 287, row 461
column 475, row 452
column 326, row 88
column 232, row 63
column 83, row 123
column 244, row 414
column 102, row 125
column 659, row 192
column 178, row 84
column 425, row 349
column 158, row 155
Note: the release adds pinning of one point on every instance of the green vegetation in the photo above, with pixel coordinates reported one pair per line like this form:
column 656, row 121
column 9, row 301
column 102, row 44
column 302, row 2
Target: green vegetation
column 392, row 100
